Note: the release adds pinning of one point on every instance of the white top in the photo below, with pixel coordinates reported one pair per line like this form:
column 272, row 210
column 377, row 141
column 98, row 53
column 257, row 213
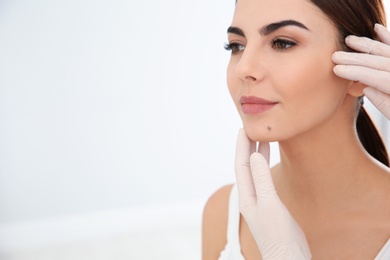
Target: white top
column 232, row 250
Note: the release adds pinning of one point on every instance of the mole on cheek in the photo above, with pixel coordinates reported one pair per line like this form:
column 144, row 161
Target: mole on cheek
column 269, row 128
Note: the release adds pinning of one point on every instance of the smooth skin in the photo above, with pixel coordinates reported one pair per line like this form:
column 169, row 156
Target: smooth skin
column 336, row 192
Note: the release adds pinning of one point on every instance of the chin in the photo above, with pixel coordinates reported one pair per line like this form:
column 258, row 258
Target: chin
column 260, row 134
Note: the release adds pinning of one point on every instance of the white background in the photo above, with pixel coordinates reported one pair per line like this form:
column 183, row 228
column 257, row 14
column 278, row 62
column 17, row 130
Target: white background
column 113, row 105
column 110, row 104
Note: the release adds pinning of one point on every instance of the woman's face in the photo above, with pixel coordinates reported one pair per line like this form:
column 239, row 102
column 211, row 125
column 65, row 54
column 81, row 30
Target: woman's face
column 280, row 74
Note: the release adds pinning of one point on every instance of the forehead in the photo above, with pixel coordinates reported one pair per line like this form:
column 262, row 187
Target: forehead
column 261, row 12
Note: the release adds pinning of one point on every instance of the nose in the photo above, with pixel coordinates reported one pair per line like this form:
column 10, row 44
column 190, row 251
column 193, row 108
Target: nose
column 250, row 68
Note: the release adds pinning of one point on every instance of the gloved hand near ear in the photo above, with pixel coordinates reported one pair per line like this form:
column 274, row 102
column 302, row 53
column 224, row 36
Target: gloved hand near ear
column 370, row 67
column 277, row 234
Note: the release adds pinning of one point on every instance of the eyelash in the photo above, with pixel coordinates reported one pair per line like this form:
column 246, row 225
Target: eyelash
column 277, row 44
column 286, row 44
column 234, row 47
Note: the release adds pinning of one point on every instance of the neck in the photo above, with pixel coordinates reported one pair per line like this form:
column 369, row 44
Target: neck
column 321, row 170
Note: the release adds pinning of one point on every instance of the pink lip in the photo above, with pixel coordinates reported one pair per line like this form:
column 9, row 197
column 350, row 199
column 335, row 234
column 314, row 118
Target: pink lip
column 254, row 105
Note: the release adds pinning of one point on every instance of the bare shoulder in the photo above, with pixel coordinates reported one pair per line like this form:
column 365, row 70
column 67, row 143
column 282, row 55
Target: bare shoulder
column 214, row 224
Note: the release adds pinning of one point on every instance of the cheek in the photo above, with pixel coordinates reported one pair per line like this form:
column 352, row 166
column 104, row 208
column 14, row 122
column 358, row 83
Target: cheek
column 232, row 81
column 312, row 81
column 310, row 94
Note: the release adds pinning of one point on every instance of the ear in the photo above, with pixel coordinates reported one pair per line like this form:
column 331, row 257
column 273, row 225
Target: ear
column 355, row 88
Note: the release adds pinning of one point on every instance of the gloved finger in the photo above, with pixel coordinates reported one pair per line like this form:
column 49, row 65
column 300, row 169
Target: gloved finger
column 246, row 190
column 261, row 173
column 367, row 45
column 361, row 59
column 382, row 33
column 373, row 78
column 264, row 150
column 379, row 99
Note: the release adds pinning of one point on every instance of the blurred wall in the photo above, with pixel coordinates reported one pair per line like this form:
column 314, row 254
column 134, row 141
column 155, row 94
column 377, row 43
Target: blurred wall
column 108, row 104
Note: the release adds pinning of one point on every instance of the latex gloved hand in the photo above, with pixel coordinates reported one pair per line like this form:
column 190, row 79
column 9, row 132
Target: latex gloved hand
column 277, row 234
column 370, row 67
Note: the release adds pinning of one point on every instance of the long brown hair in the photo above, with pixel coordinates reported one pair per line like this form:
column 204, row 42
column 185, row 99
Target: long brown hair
column 357, row 17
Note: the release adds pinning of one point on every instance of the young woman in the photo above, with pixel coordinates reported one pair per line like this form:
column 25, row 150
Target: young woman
column 329, row 197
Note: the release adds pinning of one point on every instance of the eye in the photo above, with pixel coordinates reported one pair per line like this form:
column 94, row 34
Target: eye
column 234, row 47
column 282, row 44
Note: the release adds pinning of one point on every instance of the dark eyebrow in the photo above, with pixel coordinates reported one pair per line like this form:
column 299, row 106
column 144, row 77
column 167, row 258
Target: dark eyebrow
column 235, row 30
column 275, row 26
column 267, row 29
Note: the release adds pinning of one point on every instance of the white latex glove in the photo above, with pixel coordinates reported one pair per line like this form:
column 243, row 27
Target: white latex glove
column 370, row 67
column 277, row 234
